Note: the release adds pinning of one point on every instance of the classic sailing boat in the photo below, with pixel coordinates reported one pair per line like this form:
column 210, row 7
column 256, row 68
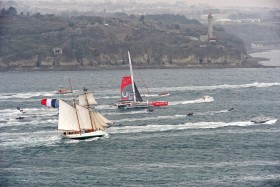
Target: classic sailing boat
column 63, row 91
column 79, row 121
column 130, row 96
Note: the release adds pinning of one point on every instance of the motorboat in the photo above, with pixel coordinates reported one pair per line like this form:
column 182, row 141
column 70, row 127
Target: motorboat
column 260, row 120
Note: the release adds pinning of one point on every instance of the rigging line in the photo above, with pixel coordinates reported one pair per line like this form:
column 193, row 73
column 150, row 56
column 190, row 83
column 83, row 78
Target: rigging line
column 143, row 82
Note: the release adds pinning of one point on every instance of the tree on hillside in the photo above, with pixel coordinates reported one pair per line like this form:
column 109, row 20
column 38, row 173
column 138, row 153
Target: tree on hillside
column 10, row 12
column 79, row 55
column 142, row 19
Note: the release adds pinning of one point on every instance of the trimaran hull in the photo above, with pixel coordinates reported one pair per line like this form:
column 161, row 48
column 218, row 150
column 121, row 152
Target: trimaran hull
column 130, row 96
column 132, row 105
column 82, row 136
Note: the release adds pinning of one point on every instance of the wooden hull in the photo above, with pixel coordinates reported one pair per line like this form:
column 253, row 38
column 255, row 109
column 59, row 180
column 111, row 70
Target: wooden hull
column 63, row 91
column 87, row 135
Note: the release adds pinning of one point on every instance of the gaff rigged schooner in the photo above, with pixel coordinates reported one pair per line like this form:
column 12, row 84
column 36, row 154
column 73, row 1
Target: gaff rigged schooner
column 79, row 121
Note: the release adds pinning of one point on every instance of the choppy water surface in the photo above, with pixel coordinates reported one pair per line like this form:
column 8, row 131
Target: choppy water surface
column 213, row 147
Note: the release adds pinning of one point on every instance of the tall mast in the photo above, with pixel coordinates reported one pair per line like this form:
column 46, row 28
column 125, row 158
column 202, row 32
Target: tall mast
column 132, row 80
column 74, row 105
column 85, row 92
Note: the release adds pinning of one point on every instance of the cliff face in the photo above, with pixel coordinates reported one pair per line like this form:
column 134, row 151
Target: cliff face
column 56, row 42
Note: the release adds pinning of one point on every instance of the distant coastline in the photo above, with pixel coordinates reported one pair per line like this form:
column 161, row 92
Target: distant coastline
column 269, row 56
column 253, row 62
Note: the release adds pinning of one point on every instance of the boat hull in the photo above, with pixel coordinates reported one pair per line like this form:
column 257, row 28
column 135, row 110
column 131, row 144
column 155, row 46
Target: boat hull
column 132, row 105
column 159, row 103
column 82, row 136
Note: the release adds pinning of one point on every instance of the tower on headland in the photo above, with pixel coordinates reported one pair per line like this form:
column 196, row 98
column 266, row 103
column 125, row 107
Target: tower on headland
column 210, row 27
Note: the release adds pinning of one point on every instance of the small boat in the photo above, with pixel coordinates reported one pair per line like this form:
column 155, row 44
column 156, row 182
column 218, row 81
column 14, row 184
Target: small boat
column 21, row 110
column 63, row 91
column 79, row 121
column 163, row 94
column 207, row 98
column 260, row 120
column 231, row 109
column 20, row 118
column 150, row 109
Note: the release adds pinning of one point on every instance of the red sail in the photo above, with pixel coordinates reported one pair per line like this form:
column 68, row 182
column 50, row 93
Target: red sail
column 127, row 91
column 126, row 88
column 125, row 81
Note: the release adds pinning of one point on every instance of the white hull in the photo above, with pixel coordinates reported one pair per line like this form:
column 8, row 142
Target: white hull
column 208, row 98
column 84, row 135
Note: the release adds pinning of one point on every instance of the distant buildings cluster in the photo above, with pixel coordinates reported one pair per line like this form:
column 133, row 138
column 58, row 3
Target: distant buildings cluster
column 87, row 7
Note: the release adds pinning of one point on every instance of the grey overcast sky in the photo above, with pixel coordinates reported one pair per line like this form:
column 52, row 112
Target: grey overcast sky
column 217, row 3
column 220, row 3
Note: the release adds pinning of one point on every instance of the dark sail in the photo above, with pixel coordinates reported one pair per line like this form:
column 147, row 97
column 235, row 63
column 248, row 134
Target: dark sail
column 137, row 94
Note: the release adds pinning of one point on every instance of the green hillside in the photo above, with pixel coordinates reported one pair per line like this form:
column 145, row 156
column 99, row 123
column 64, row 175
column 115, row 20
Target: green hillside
column 155, row 40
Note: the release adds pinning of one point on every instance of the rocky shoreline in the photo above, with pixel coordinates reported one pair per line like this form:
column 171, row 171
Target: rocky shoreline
column 252, row 62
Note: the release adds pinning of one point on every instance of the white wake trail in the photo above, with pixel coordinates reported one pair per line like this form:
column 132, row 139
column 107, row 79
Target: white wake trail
column 198, row 125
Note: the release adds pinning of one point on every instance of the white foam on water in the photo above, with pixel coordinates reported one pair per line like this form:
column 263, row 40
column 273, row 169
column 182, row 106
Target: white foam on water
column 202, row 100
column 271, row 122
column 177, row 116
column 214, row 87
column 211, row 112
column 32, row 116
column 260, row 177
column 26, row 122
column 30, row 111
column 150, row 95
column 106, row 97
column 162, row 117
column 150, row 118
column 211, row 164
column 244, row 178
column 106, row 107
column 127, row 112
column 25, row 95
column 162, row 128
column 70, row 141
column 29, row 139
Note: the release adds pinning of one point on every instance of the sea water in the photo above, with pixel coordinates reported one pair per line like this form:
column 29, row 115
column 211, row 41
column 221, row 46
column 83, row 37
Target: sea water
column 166, row 147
